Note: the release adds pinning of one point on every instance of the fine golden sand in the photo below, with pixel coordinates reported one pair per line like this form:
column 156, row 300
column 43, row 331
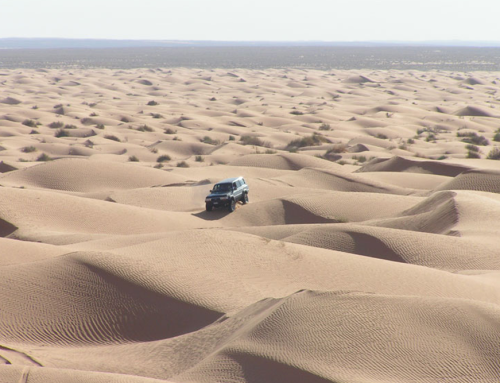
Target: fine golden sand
column 369, row 251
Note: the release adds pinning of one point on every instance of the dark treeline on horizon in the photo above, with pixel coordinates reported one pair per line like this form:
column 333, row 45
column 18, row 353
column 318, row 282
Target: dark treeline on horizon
column 53, row 43
column 252, row 57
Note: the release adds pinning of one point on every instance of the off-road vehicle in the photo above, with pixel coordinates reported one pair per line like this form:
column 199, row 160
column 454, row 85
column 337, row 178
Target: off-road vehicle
column 226, row 193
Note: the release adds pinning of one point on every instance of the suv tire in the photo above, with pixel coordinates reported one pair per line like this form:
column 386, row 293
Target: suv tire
column 232, row 205
column 209, row 207
column 245, row 198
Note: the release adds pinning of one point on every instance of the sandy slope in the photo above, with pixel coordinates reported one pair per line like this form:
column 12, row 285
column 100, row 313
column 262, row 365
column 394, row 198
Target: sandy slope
column 369, row 251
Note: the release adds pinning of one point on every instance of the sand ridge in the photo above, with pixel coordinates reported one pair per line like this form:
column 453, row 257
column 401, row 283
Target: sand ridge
column 368, row 251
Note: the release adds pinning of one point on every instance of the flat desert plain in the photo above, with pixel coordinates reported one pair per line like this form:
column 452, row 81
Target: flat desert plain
column 369, row 250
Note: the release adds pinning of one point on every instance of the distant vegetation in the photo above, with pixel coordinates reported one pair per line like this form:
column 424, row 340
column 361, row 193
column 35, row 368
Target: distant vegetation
column 28, row 149
column 44, row 157
column 61, row 133
column 145, row 128
column 111, row 137
column 314, row 140
column 325, row 127
column 210, row 141
column 56, row 125
column 473, row 138
column 431, row 137
column 360, row 159
column 472, row 154
column 31, row 123
column 163, row 158
column 251, row 140
column 494, row 154
column 473, row 151
column 496, row 137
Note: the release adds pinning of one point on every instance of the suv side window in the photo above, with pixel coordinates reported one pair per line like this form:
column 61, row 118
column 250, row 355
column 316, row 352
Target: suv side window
column 239, row 183
column 235, row 186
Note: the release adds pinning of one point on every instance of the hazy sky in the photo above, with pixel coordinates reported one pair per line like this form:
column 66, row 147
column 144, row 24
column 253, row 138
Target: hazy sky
column 275, row 20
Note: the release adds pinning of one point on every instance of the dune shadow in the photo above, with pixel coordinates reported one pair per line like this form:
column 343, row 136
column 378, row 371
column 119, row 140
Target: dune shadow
column 146, row 315
column 6, row 228
column 259, row 369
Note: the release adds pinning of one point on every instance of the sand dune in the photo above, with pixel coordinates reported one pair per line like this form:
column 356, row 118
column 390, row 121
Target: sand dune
column 81, row 175
column 11, row 373
column 283, row 161
column 474, row 111
column 483, row 180
column 58, row 216
column 426, row 249
column 97, row 306
column 368, row 251
column 338, row 180
column 400, row 164
column 272, row 349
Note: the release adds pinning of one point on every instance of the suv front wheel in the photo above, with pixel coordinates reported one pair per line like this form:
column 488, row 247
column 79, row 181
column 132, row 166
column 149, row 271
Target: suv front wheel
column 245, row 198
column 232, row 205
column 209, row 207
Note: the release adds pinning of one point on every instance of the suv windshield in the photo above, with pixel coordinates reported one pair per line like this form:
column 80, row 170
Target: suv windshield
column 222, row 187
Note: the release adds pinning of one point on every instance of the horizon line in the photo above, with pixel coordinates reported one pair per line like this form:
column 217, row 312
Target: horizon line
column 247, row 41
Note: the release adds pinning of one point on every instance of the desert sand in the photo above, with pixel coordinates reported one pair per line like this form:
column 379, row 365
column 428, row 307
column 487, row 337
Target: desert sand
column 369, row 251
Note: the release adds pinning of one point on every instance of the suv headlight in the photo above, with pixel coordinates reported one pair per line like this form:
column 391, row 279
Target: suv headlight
column 207, row 199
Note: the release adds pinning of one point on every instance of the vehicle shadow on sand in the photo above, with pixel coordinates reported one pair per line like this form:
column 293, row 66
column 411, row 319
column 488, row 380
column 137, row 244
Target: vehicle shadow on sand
column 216, row 214
column 213, row 215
